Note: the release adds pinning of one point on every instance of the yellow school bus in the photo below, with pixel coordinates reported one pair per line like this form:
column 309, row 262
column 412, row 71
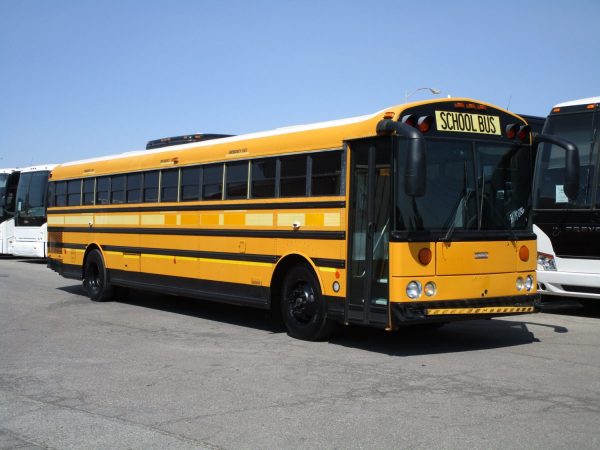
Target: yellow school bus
column 419, row 213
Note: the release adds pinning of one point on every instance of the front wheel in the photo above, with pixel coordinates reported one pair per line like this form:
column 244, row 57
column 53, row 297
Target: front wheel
column 302, row 306
column 95, row 278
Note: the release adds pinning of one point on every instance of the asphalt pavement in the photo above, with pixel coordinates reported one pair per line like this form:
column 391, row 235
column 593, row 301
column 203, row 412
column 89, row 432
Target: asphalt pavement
column 162, row 372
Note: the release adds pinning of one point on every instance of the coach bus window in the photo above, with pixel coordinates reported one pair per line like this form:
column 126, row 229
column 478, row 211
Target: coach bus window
column 263, row 178
column 212, row 183
column 88, row 191
column 117, row 189
column 151, row 186
column 102, row 186
column 31, row 199
column 74, row 193
column 134, row 187
column 550, row 173
column 61, row 193
column 168, row 185
column 293, row 176
column 237, row 179
column 190, row 184
column 326, row 173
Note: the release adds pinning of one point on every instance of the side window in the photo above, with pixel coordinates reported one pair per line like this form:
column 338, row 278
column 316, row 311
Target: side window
column 293, row 176
column 117, row 189
column 73, row 192
column 212, row 182
column 151, row 187
column 134, row 188
column 237, row 179
column 51, row 195
column 88, row 191
column 190, row 184
column 102, row 186
column 326, row 173
column 263, row 178
column 168, row 185
column 61, row 193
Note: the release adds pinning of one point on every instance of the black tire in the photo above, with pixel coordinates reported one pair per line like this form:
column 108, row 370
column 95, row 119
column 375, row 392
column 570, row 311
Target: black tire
column 302, row 306
column 95, row 278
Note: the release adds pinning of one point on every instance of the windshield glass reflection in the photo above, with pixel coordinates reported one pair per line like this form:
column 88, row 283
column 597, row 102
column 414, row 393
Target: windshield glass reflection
column 470, row 186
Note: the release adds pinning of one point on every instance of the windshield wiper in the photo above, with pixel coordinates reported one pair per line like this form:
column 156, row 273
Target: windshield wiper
column 464, row 199
column 462, row 204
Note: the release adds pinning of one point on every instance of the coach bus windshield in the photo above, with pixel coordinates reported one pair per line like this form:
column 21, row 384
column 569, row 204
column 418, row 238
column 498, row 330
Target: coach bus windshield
column 550, row 171
column 31, row 199
column 471, row 185
column 3, row 185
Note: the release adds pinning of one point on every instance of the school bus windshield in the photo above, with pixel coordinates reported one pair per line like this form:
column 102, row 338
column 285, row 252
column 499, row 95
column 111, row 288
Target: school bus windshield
column 471, row 185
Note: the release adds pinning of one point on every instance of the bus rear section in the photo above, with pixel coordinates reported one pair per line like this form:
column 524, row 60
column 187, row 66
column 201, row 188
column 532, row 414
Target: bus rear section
column 9, row 179
column 31, row 236
column 568, row 230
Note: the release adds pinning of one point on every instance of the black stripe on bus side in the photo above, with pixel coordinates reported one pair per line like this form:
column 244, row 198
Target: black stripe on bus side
column 324, row 262
column 228, row 207
column 60, row 245
column 319, row 262
column 234, row 293
column 463, row 236
column 329, row 235
column 193, row 253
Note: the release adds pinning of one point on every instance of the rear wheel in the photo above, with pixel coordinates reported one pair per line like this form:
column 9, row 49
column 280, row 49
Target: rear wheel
column 302, row 306
column 95, row 278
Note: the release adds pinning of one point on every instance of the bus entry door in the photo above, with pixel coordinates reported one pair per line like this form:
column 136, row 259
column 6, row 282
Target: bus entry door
column 368, row 256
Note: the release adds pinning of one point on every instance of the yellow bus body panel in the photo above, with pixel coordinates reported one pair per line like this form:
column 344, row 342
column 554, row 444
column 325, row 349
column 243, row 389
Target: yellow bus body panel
column 459, row 270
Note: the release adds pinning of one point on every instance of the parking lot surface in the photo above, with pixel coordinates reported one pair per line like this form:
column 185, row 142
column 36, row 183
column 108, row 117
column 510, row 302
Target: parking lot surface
column 158, row 372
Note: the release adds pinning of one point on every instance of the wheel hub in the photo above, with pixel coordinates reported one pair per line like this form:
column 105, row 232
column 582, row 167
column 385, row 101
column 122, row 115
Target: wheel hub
column 302, row 303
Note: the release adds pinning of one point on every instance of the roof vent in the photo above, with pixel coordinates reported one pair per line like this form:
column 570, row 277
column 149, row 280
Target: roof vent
column 177, row 140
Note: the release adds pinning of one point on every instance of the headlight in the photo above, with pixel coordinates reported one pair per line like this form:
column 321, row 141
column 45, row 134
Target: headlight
column 519, row 284
column 430, row 289
column 528, row 282
column 414, row 289
column 546, row 261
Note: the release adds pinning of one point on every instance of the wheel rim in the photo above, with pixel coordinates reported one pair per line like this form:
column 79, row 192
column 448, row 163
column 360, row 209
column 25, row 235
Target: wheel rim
column 94, row 281
column 301, row 300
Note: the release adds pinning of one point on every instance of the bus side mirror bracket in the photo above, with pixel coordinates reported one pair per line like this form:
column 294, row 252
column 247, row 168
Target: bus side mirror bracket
column 415, row 170
column 571, row 161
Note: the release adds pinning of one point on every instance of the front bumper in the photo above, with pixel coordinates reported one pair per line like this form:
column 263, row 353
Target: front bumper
column 29, row 249
column 569, row 284
column 406, row 313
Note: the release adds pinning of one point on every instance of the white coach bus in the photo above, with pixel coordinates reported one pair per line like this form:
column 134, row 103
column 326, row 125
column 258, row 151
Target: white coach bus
column 569, row 231
column 31, row 230
column 9, row 179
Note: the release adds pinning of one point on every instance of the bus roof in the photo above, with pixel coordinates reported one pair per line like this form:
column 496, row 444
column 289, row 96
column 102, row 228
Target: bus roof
column 583, row 101
column 7, row 170
column 321, row 135
column 38, row 168
column 228, row 140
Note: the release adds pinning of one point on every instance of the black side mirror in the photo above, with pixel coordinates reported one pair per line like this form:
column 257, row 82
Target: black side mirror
column 415, row 170
column 571, row 161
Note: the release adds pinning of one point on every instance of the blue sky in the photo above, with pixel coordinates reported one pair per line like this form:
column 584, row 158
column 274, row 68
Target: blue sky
column 85, row 78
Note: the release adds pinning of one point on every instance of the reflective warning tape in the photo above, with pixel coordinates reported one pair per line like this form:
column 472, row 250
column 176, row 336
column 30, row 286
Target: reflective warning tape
column 488, row 310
